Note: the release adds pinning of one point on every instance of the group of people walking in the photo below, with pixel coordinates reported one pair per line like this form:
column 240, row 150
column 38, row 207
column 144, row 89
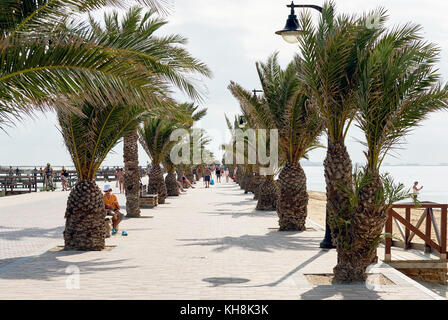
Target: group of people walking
column 218, row 170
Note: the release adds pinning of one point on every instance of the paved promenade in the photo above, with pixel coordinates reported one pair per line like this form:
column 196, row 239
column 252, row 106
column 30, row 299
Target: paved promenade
column 205, row 244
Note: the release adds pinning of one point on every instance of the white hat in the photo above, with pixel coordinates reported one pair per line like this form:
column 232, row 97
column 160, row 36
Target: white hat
column 107, row 187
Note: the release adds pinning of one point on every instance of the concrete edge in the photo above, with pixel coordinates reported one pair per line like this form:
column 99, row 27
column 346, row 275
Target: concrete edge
column 382, row 264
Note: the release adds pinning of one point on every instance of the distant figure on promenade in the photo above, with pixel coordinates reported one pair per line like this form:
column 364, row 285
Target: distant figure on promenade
column 112, row 207
column 64, row 177
column 41, row 172
column 49, row 177
column 180, row 187
column 195, row 175
column 186, row 181
column 17, row 172
column 116, row 177
column 227, row 175
column 11, row 175
column 35, row 172
column 207, row 174
column 218, row 174
column 416, row 190
column 120, row 176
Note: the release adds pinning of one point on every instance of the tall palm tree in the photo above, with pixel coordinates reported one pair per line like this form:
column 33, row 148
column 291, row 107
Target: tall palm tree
column 285, row 107
column 196, row 139
column 398, row 88
column 163, row 56
column 89, row 135
column 327, row 68
column 155, row 137
column 44, row 54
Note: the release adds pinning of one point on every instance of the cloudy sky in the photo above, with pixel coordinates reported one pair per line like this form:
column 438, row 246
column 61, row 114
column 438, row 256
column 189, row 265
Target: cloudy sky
column 230, row 36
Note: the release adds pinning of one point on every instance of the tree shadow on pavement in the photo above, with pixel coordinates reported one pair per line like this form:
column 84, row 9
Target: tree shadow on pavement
column 50, row 265
column 238, row 214
column 272, row 241
column 341, row 292
column 8, row 233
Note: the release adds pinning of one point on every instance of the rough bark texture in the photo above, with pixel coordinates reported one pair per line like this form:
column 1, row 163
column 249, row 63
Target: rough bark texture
column 239, row 175
column 356, row 249
column 85, row 215
column 268, row 195
column 190, row 176
column 156, row 184
column 171, row 185
column 248, row 186
column 338, row 171
column 132, row 174
column 292, row 198
column 243, row 181
column 257, row 180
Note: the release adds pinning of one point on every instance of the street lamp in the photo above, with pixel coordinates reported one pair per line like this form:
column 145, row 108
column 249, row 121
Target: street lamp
column 291, row 31
column 255, row 91
column 291, row 34
column 242, row 123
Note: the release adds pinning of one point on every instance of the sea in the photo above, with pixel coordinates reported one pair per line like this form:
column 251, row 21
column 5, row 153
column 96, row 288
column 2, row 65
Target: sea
column 432, row 178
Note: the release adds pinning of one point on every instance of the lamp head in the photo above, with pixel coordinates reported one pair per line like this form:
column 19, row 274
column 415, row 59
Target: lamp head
column 291, row 31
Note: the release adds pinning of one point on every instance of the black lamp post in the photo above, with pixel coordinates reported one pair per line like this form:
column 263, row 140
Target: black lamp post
column 255, row 91
column 291, row 33
column 242, row 123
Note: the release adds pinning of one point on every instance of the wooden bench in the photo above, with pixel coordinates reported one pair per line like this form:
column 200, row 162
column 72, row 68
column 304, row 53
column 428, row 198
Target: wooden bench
column 148, row 201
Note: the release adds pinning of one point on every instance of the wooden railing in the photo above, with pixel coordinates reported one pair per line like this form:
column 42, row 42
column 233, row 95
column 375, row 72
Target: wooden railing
column 408, row 231
column 18, row 184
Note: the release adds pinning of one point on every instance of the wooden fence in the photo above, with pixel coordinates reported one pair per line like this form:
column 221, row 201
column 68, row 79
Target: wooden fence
column 407, row 230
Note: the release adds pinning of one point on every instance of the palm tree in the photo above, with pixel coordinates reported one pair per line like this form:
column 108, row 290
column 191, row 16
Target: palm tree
column 327, row 68
column 44, row 54
column 196, row 138
column 89, row 135
column 398, row 88
column 163, row 56
column 172, row 189
column 285, row 107
column 155, row 137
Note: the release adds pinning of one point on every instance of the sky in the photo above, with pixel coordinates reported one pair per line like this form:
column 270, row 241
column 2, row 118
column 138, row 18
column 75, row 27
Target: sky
column 230, row 36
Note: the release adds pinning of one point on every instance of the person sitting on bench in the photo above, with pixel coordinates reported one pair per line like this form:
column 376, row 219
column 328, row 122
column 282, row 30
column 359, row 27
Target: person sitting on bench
column 112, row 207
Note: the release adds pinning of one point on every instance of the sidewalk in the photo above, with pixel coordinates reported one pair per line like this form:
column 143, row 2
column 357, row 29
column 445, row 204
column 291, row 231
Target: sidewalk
column 205, row 244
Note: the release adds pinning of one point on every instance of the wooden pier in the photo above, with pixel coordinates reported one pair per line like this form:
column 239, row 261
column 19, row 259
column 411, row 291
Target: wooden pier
column 26, row 181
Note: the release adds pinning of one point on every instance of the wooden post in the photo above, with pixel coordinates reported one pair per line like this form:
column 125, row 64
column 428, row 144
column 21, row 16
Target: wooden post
column 35, row 184
column 407, row 232
column 428, row 231
column 387, row 254
column 29, row 184
column 443, row 233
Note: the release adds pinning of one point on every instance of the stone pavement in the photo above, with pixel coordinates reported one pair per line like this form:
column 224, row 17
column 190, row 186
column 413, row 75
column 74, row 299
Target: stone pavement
column 205, row 244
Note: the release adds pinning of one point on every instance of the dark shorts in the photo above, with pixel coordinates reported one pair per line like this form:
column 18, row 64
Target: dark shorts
column 207, row 178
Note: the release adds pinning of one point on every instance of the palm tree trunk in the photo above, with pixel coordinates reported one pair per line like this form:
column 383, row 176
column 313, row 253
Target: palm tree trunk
column 357, row 247
column 268, row 195
column 171, row 184
column 257, row 180
column 248, row 182
column 132, row 174
column 189, row 175
column 338, row 171
column 156, row 184
column 292, row 198
column 85, row 215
